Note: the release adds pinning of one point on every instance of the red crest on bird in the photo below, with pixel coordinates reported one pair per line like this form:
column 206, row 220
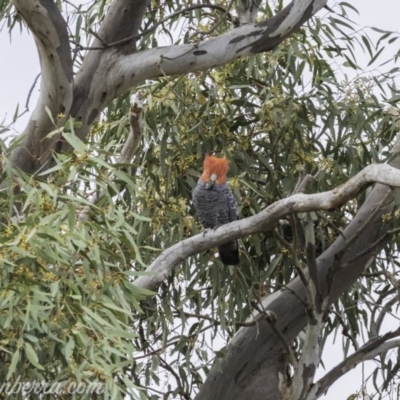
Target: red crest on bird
column 215, row 165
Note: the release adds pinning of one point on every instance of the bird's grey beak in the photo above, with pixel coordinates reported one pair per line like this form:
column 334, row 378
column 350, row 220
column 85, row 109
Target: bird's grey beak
column 213, row 179
column 210, row 184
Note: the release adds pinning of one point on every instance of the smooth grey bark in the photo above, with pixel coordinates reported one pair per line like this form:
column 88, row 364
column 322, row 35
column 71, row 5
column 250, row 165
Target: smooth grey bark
column 51, row 37
column 93, row 90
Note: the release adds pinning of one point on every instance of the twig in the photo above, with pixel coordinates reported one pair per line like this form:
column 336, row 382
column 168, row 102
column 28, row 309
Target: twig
column 218, row 23
column 291, row 291
column 151, row 353
column 302, row 183
column 271, row 318
column 303, row 277
column 374, row 331
column 98, row 38
column 162, row 57
column 216, row 322
column 5, row 129
column 345, row 330
column 152, row 28
column 311, row 258
column 367, row 352
column 384, row 312
column 336, row 266
column 375, row 244
column 30, row 91
column 166, row 366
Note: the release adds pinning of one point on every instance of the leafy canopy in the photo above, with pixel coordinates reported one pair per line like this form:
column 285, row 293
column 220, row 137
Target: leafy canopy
column 69, row 308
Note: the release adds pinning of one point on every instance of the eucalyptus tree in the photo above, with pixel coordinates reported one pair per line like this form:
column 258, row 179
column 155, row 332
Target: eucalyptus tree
column 106, row 275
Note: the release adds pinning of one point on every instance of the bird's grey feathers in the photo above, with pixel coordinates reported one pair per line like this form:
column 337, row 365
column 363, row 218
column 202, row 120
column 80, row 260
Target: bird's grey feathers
column 216, row 206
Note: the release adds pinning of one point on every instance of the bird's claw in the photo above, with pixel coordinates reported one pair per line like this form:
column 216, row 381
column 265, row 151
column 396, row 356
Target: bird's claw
column 210, row 229
column 206, row 231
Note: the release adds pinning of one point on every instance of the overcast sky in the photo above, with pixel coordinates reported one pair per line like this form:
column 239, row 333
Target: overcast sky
column 19, row 67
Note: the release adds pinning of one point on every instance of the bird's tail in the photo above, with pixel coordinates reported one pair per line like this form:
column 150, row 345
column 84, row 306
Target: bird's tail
column 229, row 253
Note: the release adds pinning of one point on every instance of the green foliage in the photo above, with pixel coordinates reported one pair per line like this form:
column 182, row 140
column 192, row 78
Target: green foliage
column 69, row 308
column 67, row 299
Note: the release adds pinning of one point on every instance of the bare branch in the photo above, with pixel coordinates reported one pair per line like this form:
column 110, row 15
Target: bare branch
column 30, row 92
column 348, row 242
column 158, row 23
column 385, row 309
column 91, row 90
column 120, row 68
column 374, row 331
column 135, row 134
column 311, row 259
column 217, row 323
column 374, row 245
column 267, row 219
column 367, row 352
column 345, row 330
column 26, row 106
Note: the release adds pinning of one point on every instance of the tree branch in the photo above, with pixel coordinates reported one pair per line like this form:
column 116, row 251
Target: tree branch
column 267, row 219
column 50, row 32
column 309, row 360
column 104, row 75
column 367, row 352
column 385, row 309
column 129, row 149
column 374, row 245
column 240, row 42
column 349, row 241
column 91, row 91
column 345, row 330
column 154, row 27
column 135, row 134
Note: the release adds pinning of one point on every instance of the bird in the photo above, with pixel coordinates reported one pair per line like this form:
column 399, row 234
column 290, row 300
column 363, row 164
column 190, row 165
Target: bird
column 215, row 204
